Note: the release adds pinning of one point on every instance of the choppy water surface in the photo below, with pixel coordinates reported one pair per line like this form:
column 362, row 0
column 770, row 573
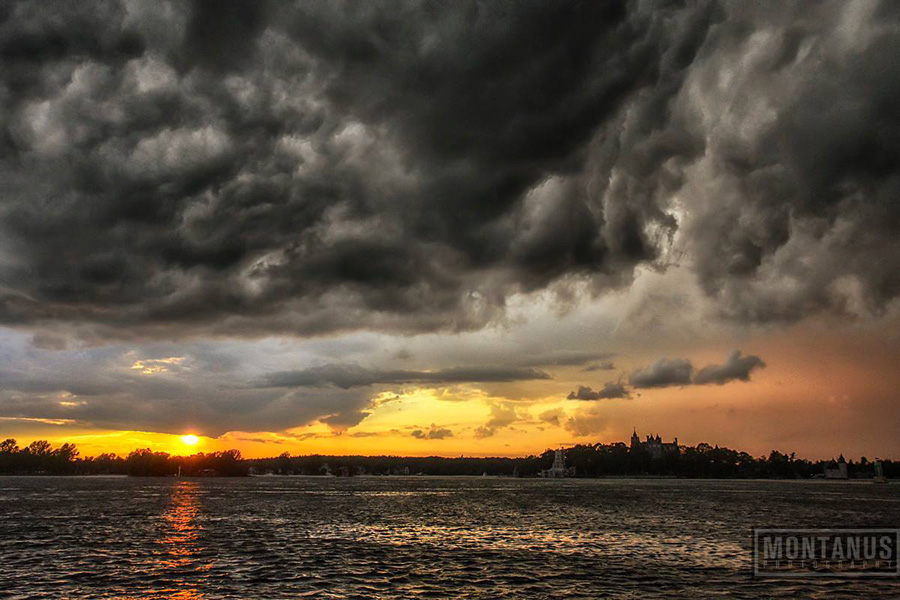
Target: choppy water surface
column 415, row 537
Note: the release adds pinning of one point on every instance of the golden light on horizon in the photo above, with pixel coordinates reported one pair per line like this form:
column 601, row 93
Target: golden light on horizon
column 190, row 440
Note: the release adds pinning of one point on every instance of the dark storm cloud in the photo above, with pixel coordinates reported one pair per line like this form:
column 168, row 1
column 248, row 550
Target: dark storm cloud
column 349, row 376
column 221, row 35
column 680, row 371
column 610, row 390
column 236, row 167
column 736, row 367
column 663, row 373
column 796, row 213
column 177, row 169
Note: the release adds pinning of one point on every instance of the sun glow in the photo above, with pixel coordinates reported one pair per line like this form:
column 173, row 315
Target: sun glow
column 190, row 440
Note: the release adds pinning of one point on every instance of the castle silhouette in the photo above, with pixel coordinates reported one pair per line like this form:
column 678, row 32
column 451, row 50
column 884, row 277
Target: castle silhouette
column 654, row 445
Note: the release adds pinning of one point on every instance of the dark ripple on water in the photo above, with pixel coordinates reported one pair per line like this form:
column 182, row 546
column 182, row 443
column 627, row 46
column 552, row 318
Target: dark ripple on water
column 415, row 537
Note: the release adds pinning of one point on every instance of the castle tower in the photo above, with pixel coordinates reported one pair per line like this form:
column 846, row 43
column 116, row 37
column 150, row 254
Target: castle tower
column 559, row 460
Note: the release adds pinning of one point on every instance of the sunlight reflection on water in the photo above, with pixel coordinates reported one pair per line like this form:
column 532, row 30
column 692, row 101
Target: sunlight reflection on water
column 175, row 556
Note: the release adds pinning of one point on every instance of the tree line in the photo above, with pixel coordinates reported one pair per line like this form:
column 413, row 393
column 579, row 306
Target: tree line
column 589, row 460
column 706, row 461
column 39, row 458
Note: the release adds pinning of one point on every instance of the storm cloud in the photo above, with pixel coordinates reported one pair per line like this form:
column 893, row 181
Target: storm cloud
column 680, row 371
column 663, row 373
column 609, row 390
column 181, row 169
column 735, row 368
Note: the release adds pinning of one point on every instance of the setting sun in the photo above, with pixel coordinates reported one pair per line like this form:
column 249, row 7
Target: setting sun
column 189, row 440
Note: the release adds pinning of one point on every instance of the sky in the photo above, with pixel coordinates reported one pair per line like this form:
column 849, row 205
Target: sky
column 467, row 228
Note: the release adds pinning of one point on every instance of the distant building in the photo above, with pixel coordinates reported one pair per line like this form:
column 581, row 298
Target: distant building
column 558, row 470
column 837, row 470
column 654, row 445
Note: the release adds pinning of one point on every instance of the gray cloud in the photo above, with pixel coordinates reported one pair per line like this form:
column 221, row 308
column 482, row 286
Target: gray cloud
column 218, row 167
column 170, row 173
column 788, row 211
column 434, row 433
column 165, row 387
column 735, row 368
column 662, row 373
column 609, row 390
column 680, row 371
column 349, row 376
column 202, row 407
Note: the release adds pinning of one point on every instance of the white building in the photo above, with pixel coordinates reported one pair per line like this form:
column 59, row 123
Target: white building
column 558, row 470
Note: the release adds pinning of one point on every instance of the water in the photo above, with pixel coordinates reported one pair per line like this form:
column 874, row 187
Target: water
column 416, row 537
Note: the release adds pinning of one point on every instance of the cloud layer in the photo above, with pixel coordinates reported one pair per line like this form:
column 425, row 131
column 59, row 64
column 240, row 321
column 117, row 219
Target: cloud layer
column 349, row 376
column 244, row 168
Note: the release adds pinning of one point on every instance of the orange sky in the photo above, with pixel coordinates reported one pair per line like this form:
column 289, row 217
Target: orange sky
column 822, row 393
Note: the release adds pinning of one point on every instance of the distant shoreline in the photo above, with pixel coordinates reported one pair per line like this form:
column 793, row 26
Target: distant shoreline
column 652, row 459
column 431, row 476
